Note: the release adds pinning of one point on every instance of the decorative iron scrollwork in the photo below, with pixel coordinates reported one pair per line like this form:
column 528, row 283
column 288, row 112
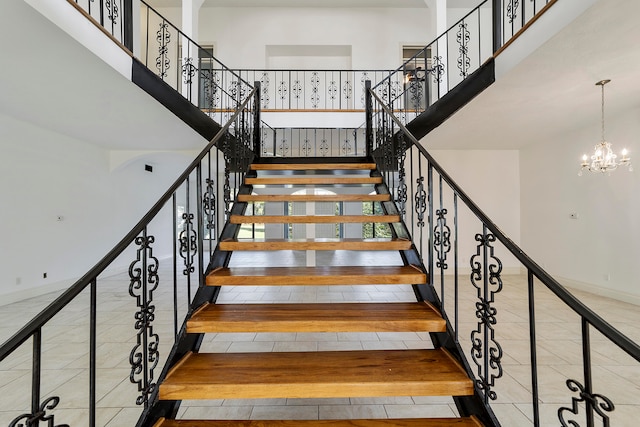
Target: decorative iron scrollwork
column 512, row 8
column 437, row 70
column 332, row 89
column 402, row 185
column 144, row 356
column 315, row 84
column 283, row 90
column 188, row 71
column 226, row 188
column 112, row 8
column 209, row 207
column 306, row 147
column 599, row 403
column 347, row 90
column 420, row 201
column 283, row 149
column 442, row 239
column 363, row 79
column 188, row 243
column 211, row 84
column 28, row 420
column 346, row 147
column 415, row 92
column 163, row 37
column 296, row 89
column 486, row 352
column 462, row 37
column 264, row 90
column 323, row 148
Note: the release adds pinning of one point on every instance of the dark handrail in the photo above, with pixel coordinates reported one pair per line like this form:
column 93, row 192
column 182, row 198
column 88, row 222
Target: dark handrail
column 629, row 346
column 47, row 314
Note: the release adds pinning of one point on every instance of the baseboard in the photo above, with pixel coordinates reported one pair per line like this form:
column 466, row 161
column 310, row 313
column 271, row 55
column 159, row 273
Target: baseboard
column 36, row 291
column 599, row 290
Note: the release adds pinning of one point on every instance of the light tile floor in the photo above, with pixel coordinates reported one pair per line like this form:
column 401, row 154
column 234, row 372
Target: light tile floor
column 65, row 352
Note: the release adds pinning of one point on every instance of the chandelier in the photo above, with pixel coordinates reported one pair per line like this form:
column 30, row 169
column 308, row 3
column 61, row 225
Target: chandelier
column 603, row 158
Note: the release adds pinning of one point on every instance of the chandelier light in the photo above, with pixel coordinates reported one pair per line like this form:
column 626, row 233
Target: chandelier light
column 603, row 158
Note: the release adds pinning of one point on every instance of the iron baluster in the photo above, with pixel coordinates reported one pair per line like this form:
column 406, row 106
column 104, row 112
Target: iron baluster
column 144, row 357
column 486, row 352
column 455, row 266
column 402, row 184
column 188, row 241
column 534, row 353
column 93, row 307
column 174, row 235
column 264, row 92
column 462, row 37
column 593, row 402
column 163, row 37
column 188, row 71
column 200, row 231
column 227, row 174
column 420, row 203
column 512, row 13
column 315, row 83
column 430, row 245
column 442, row 242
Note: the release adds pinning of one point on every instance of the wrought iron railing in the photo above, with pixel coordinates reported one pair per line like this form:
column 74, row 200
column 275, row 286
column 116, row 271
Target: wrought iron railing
column 188, row 67
column 183, row 64
column 313, row 89
column 454, row 55
column 462, row 251
column 312, row 142
column 180, row 232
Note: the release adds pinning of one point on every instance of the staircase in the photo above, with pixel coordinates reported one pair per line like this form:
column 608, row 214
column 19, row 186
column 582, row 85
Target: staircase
column 325, row 374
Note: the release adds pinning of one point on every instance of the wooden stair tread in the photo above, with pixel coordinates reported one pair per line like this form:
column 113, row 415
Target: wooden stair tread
column 316, row 375
column 401, row 422
column 320, row 275
column 311, row 219
column 305, row 180
column 315, row 244
column 314, row 197
column 312, row 166
column 317, row 317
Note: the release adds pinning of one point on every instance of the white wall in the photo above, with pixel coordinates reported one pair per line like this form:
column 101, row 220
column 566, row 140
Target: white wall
column 240, row 35
column 491, row 178
column 44, row 175
column 599, row 250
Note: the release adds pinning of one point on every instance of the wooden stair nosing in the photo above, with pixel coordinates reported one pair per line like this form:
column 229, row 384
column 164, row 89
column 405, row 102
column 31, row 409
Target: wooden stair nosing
column 314, row 197
column 390, row 422
column 315, row 244
column 312, row 219
column 312, row 166
column 317, row 317
column 326, row 374
column 320, row 275
column 295, row 180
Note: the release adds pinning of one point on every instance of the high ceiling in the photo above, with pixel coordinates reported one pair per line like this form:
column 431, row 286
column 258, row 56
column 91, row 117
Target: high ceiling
column 315, row 3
